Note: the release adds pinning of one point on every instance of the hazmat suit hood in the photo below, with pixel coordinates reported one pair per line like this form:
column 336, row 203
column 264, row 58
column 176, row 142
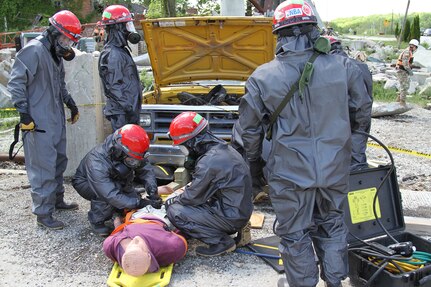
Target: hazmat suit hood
column 298, row 42
column 201, row 143
column 337, row 49
column 117, row 35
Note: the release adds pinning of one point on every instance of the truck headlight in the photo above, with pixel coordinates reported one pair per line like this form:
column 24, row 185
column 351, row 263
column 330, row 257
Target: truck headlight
column 145, row 120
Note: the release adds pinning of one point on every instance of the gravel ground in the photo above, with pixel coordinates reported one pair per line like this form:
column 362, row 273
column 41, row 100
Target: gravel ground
column 33, row 256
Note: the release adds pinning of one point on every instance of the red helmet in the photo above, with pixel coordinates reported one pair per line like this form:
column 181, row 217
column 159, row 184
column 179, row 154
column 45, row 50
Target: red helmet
column 116, row 14
column 185, row 126
column 291, row 13
column 133, row 140
column 332, row 40
column 68, row 24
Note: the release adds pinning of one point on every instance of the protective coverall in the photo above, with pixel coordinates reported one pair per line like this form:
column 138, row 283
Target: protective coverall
column 359, row 141
column 38, row 88
column 310, row 153
column 218, row 202
column 120, row 79
column 108, row 183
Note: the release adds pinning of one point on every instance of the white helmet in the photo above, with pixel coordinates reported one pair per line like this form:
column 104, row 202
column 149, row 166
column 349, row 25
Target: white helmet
column 414, row 42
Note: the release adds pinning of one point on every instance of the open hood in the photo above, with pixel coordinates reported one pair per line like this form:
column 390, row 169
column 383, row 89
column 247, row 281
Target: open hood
column 207, row 48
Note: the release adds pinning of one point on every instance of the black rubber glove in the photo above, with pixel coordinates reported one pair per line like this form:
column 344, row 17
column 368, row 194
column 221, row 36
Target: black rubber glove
column 170, row 201
column 26, row 122
column 143, row 202
column 74, row 113
column 155, row 200
column 256, row 170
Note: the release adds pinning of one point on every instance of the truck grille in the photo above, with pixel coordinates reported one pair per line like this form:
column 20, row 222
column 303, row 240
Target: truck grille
column 220, row 121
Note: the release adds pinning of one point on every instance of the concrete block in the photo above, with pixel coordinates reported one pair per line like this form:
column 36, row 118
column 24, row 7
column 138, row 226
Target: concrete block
column 83, row 82
column 181, row 176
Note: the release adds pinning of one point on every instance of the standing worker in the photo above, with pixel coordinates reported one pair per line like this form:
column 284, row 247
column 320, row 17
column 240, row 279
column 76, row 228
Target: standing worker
column 106, row 174
column 117, row 69
column 218, row 201
column 39, row 93
column 308, row 164
column 404, row 70
column 359, row 141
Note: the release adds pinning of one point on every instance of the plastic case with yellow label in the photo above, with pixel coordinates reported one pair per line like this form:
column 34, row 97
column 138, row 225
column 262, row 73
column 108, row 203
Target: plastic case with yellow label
column 360, row 217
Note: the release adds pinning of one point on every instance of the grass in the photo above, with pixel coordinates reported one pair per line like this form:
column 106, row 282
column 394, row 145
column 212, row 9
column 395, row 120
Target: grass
column 390, row 95
column 8, row 118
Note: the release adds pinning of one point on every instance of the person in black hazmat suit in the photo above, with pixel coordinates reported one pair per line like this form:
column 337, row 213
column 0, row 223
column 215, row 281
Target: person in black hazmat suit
column 105, row 176
column 39, row 93
column 308, row 163
column 359, row 141
column 120, row 77
column 218, row 201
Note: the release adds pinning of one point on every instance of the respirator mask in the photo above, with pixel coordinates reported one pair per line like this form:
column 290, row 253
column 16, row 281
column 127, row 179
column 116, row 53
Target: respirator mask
column 133, row 36
column 63, row 48
column 191, row 156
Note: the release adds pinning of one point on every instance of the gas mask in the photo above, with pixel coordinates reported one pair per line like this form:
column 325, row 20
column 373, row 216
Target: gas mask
column 191, row 156
column 63, row 48
column 133, row 36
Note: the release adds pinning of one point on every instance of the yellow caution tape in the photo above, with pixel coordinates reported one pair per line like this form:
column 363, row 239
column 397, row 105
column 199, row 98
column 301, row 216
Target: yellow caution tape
column 82, row 105
column 403, row 150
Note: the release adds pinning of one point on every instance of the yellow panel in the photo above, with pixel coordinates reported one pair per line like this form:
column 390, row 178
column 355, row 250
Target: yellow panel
column 207, row 48
column 118, row 278
column 361, row 205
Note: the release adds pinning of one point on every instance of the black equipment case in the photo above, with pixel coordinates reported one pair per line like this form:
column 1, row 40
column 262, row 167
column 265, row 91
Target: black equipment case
column 361, row 221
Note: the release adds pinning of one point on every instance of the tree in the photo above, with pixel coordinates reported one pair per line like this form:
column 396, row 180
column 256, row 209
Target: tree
column 18, row 15
column 404, row 25
column 406, row 32
column 415, row 32
column 169, row 9
column 207, row 7
column 397, row 31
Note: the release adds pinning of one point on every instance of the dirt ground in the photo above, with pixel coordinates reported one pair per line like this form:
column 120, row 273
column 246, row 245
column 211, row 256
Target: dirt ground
column 33, row 256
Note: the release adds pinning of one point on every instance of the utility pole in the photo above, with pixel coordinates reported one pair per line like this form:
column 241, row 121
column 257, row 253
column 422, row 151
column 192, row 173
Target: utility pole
column 404, row 24
column 232, row 7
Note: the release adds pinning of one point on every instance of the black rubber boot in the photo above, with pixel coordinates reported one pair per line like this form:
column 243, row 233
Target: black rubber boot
column 49, row 222
column 101, row 229
column 62, row 205
column 216, row 249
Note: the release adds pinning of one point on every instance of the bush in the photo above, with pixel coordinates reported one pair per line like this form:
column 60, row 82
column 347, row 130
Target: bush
column 147, row 80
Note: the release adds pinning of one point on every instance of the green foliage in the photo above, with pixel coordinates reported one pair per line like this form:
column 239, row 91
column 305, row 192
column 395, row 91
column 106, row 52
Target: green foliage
column 406, row 32
column 383, row 95
column 374, row 24
column 147, row 80
column 154, row 9
column 397, row 31
column 182, row 6
column 415, row 32
column 389, row 95
column 207, row 7
column 8, row 113
column 20, row 14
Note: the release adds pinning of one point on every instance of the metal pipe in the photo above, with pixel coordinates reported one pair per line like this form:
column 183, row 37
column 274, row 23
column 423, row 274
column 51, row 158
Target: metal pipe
column 17, row 159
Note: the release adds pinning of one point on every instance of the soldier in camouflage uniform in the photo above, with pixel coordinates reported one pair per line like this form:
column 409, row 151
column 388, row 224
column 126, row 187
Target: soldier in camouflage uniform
column 404, row 70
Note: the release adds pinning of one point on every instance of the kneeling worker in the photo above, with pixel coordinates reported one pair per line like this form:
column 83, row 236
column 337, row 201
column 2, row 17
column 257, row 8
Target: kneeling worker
column 105, row 176
column 218, row 201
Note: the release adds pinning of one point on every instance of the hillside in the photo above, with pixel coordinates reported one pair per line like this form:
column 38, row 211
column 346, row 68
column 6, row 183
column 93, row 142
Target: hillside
column 376, row 24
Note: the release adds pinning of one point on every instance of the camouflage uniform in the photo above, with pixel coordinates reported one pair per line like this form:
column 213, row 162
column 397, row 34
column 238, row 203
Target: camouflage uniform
column 403, row 73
